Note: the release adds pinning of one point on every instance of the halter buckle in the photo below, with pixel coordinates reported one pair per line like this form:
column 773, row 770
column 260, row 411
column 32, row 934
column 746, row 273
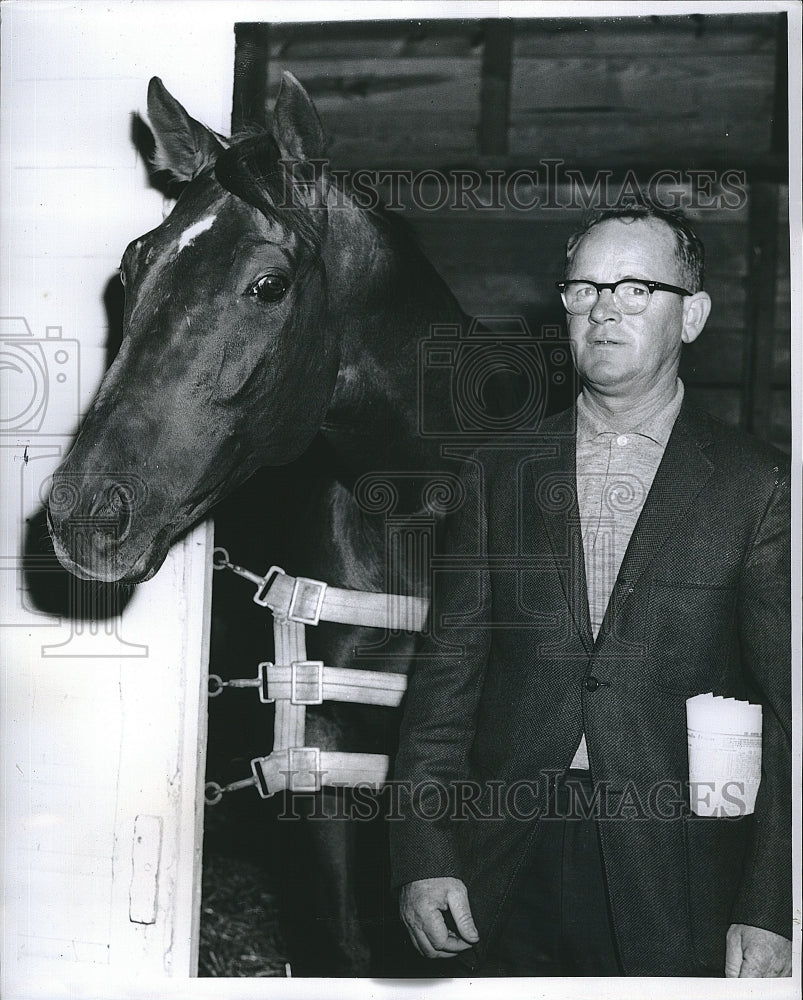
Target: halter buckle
column 306, row 601
column 306, row 682
column 265, row 583
column 304, row 774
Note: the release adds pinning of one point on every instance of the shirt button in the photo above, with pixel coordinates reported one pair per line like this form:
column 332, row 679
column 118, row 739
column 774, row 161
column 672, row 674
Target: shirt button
column 622, row 440
column 591, row 683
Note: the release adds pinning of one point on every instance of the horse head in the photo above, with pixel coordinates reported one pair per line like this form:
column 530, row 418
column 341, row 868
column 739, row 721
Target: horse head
column 231, row 342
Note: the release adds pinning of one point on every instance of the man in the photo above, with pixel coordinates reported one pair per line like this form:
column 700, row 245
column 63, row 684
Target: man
column 633, row 556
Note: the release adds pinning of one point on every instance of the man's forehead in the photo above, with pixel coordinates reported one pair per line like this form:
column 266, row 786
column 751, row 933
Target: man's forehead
column 650, row 240
column 628, row 232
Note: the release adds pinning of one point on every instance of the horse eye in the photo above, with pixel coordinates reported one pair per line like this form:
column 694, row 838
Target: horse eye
column 270, row 287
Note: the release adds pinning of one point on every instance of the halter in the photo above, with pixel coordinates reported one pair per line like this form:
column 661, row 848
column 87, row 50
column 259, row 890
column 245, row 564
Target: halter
column 295, row 682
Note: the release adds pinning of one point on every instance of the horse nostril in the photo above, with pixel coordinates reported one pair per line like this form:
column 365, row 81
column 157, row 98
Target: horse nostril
column 111, row 515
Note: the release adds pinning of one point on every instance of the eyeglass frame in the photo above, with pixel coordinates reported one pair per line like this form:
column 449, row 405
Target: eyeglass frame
column 600, row 286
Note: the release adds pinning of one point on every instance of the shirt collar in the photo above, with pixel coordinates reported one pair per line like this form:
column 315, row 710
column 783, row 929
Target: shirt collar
column 657, row 427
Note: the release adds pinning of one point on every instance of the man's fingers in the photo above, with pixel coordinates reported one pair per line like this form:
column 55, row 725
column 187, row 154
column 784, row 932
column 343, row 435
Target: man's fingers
column 760, row 965
column 733, row 952
column 442, row 941
column 424, row 946
column 755, row 953
column 754, row 967
column 434, row 927
column 433, row 939
column 454, row 944
column 428, row 908
column 457, row 899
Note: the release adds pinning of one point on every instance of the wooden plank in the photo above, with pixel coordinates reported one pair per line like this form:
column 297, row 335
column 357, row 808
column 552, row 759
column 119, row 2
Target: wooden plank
column 644, row 159
column 472, row 241
column 782, row 339
column 378, row 39
column 495, row 87
column 621, row 140
column 782, row 355
column 724, row 404
column 524, row 204
column 515, row 198
column 395, row 113
column 783, row 204
column 655, row 36
column 780, row 111
column 361, row 83
column 198, row 579
column 251, row 67
column 145, row 858
column 741, row 85
column 780, row 433
column 717, row 357
column 412, row 112
column 439, row 142
column 760, row 306
column 658, row 36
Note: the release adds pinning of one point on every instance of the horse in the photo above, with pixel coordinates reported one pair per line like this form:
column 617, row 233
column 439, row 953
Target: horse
column 268, row 316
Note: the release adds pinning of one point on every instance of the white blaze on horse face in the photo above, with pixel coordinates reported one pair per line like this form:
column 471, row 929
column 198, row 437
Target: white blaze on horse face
column 194, row 230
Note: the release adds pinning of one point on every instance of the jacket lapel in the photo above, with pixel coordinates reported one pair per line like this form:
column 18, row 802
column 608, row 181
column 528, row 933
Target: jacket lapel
column 683, row 472
column 553, row 485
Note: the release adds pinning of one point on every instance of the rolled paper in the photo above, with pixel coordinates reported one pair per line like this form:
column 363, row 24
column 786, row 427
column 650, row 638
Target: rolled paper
column 724, row 737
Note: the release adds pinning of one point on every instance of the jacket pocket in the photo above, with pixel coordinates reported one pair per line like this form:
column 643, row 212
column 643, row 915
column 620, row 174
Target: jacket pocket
column 688, row 634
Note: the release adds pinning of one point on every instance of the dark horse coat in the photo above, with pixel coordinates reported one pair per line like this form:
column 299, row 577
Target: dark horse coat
column 510, row 676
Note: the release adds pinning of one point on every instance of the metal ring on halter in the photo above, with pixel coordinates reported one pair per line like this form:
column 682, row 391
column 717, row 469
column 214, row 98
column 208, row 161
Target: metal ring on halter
column 215, row 685
column 220, row 558
column 213, row 793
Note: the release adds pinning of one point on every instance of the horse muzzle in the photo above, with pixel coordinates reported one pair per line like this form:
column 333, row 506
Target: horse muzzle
column 92, row 521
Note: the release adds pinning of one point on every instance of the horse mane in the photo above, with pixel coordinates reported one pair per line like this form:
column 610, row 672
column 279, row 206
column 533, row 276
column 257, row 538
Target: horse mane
column 252, row 169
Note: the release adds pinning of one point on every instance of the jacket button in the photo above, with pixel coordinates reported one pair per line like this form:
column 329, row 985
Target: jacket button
column 591, row 683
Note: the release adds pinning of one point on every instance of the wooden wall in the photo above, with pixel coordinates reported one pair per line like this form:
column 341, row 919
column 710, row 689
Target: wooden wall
column 629, row 96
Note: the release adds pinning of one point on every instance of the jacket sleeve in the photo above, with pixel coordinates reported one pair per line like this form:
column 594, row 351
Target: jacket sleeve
column 437, row 729
column 764, row 613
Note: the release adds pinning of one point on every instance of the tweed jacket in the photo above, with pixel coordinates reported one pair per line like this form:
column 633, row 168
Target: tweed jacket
column 509, row 675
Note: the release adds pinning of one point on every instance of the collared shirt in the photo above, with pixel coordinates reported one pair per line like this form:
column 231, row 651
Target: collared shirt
column 615, row 469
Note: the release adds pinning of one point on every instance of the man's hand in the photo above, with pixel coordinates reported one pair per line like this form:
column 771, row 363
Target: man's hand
column 753, row 953
column 422, row 905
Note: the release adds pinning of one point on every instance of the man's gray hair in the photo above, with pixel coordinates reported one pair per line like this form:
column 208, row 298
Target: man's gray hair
column 689, row 250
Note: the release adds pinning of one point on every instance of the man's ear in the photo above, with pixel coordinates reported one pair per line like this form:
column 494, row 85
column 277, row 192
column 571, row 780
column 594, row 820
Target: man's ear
column 184, row 147
column 695, row 313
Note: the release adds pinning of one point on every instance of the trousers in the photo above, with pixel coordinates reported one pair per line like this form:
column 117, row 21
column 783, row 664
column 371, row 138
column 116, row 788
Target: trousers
column 559, row 923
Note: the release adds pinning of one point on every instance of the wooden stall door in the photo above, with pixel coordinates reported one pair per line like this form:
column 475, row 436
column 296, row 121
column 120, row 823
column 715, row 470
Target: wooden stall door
column 102, row 706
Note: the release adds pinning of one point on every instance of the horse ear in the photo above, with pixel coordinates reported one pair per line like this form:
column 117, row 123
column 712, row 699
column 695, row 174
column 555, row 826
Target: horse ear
column 296, row 125
column 184, row 147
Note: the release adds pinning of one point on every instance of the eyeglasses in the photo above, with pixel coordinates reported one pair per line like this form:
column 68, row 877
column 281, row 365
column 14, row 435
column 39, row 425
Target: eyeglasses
column 630, row 295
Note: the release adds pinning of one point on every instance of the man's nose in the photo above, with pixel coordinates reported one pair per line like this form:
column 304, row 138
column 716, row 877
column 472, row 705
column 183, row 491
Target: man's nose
column 605, row 308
